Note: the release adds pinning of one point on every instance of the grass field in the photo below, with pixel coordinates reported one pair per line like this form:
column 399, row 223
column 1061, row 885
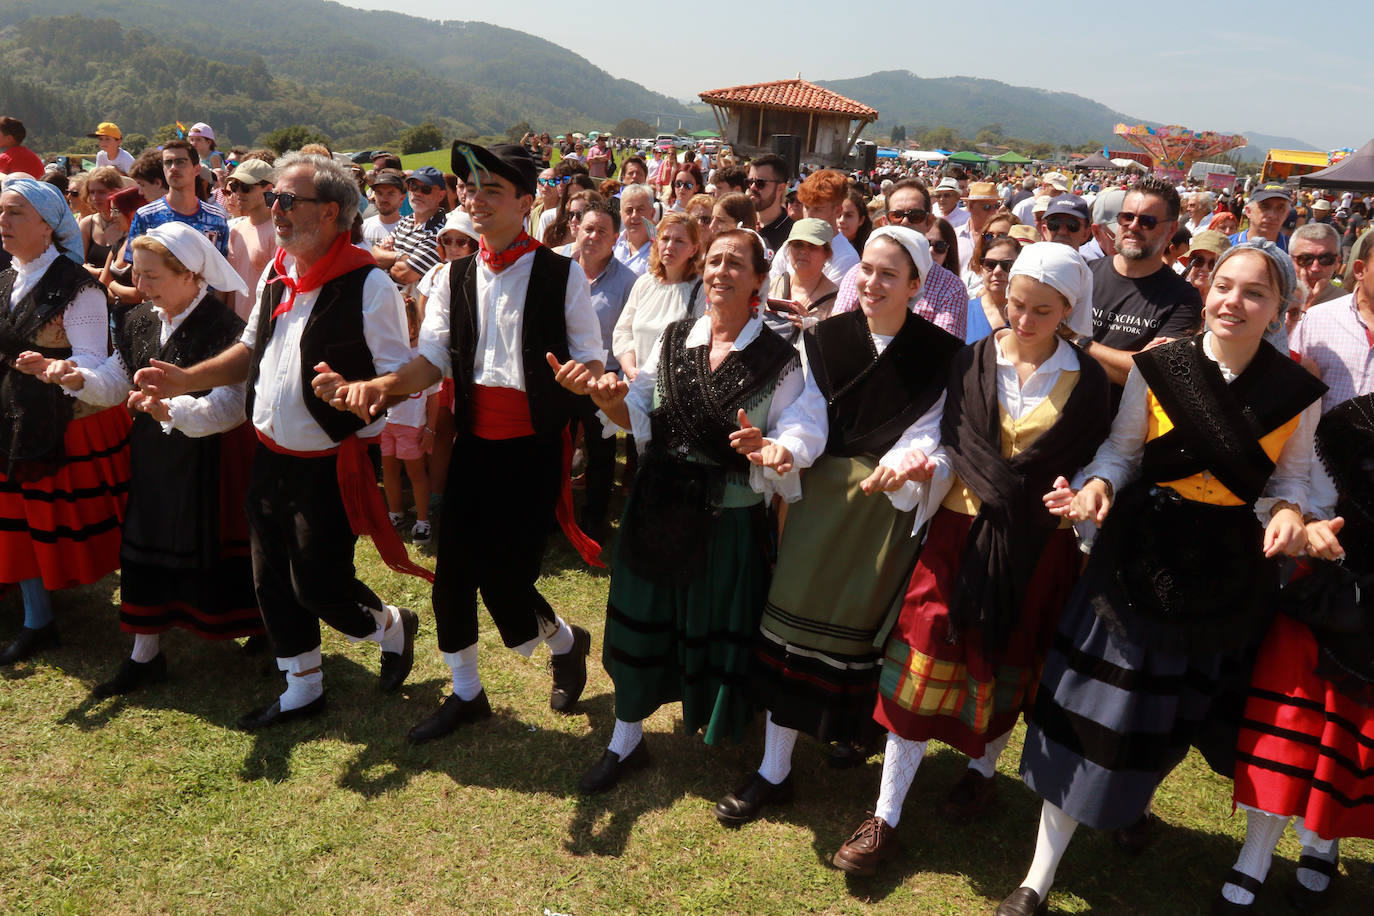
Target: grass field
column 156, row 804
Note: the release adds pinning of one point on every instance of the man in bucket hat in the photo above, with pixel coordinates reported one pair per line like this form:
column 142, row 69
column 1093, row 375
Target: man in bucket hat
column 494, row 323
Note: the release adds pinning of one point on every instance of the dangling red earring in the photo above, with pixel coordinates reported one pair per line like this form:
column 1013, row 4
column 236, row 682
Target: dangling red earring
column 754, row 304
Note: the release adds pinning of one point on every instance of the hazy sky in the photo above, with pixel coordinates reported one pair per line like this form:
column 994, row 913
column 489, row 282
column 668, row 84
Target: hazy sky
column 1190, row 63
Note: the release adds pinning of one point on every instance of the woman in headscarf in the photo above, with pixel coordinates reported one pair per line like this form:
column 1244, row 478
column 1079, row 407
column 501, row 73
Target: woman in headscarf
column 882, row 370
column 185, row 556
column 1202, row 485
column 1021, row 406
column 63, row 466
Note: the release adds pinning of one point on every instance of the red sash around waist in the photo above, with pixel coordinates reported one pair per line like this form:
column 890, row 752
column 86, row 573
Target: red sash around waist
column 361, row 499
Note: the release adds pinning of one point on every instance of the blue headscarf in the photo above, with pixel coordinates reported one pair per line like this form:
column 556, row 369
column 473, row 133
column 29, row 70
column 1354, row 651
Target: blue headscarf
column 52, row 206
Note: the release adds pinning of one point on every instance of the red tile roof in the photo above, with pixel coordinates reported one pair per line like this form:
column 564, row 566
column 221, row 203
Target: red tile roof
column 790, row 95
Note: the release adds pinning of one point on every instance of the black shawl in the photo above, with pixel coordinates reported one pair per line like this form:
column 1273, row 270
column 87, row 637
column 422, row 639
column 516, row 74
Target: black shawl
column 872, row 398
column 1012, row 526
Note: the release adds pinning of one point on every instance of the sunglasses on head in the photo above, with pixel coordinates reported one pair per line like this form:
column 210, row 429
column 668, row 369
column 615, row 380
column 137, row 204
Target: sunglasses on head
column 1143, row 220
column 1065, row 223
column 991, row 264
column 915, row 215
column 1306, row 260
column 287, row 200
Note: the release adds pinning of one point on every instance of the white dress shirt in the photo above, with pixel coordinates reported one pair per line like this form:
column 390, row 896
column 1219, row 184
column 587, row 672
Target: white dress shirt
column 500, row 361
column 279, row 410
column 219, row 411
column 796, row 416
column 85, row 321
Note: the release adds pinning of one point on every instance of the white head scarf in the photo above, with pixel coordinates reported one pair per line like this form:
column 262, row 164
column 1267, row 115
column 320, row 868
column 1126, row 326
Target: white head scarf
column 914, row 243
column 199, row 256
column 1063, row 268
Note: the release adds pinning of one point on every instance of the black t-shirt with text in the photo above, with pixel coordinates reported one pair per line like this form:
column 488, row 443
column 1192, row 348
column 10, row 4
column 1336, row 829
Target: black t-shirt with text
column 1129, row 313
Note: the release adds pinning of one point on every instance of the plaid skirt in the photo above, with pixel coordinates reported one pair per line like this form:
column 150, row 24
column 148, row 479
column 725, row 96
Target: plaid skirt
column 942, row 685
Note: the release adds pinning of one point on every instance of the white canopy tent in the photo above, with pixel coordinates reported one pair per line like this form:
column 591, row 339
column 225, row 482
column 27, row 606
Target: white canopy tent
column 923, row 155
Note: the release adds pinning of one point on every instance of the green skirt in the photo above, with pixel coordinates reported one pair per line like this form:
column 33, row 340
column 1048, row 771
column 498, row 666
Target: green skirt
column 692, row 643
column 843, row 566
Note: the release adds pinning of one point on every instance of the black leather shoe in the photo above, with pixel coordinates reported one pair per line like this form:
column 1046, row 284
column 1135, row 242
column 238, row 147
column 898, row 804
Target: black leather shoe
column 1136, row 838
column 133, row 675
column 607, row 771
column 570, row 672
column 266, row 716
column 744, row 804
column 29, row 641
column 1023, row 902
column 453, row 713
column 396, row 665
column 1304, row 899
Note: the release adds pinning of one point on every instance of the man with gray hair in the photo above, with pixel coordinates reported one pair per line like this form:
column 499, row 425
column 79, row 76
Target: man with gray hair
column 1200, row 207
column 1316, row 252
column 636, row 220
column 323, row 307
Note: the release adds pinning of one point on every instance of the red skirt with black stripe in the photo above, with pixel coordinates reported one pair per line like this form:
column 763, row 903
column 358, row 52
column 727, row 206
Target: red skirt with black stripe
column 1305, row 749
column 65, row 527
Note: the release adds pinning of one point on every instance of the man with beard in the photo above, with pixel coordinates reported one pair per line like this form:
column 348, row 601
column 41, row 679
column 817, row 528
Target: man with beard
column 1137, row 298
column 767, row 184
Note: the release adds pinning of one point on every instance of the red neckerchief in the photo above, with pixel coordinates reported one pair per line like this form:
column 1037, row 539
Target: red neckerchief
column 499, row 261
column 341, row 258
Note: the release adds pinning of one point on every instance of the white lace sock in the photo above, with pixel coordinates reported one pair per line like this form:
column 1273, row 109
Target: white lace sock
column 561, row 642
column 1052, row 840
column 778, row 741
column 986, row 765
column 393, row 638
column 301, row 689
column 467, row 683
column 1327, row 850
column 901, row 759
column 625, row 738
column 146, row 647
column 1262, row 832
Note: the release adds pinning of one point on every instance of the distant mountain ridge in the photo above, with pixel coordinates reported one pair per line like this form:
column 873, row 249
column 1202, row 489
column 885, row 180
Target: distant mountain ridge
column 967, row 104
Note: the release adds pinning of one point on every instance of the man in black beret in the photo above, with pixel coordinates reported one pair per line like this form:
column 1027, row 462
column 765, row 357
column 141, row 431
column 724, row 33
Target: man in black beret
column 495, row 322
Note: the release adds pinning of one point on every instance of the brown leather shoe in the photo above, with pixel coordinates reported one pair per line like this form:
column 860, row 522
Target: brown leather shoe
column 870, row 846
column 970, row 797
column 1023, row 902
column 1135, row 838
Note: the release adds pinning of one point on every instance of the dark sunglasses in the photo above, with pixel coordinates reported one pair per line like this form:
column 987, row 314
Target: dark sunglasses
column 991, row 264
column 238, row 187
column 1306, row 260
column 1143, row 220
column 994, row 237
column 575, row 214
column 422, row 188
column 985, row 208
column 939, row 247
column 684, row 184
column 287, row 200
column 916, row 215
column 1198, row 261
column 762, row 182
column 1065, row 223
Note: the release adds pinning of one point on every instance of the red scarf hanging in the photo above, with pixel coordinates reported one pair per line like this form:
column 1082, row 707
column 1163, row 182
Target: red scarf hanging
column 499, row 261
column 341, row 258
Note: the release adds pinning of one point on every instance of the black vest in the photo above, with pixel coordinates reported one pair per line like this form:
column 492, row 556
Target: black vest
column 333, row 334
column 33, row 414
column 543, row 329
column 872, row 398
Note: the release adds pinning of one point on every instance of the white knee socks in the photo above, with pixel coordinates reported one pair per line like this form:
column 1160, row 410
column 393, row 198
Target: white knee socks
column 625, row 738
column 1056, row 829
column 900, row 762
column 466, row 682
column 1262, row 832
column 561, row 642
column 778, row 742
column 146, row 647
column 986, row 765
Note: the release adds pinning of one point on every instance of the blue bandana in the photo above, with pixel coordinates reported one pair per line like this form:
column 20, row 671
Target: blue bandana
column 52, row 206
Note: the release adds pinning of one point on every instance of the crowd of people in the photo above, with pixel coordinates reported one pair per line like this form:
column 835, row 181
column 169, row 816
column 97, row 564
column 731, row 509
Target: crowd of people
column 910, row 455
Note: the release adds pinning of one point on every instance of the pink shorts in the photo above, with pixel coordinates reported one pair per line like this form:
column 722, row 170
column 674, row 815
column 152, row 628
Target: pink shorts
column 401, row 442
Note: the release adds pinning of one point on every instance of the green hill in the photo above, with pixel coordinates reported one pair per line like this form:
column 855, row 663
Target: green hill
column 349, row 72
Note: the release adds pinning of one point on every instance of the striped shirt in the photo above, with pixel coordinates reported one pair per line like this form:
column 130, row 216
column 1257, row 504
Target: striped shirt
column 943, row 300
column 1334, row 336
column 419, row 244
